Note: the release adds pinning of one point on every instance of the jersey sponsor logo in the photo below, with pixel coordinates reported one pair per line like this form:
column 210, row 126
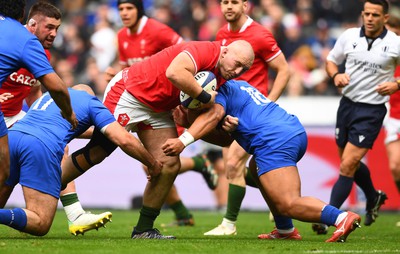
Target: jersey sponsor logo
column 136, row 60
column 23, row 79
column 368, row 66
column 123, row 119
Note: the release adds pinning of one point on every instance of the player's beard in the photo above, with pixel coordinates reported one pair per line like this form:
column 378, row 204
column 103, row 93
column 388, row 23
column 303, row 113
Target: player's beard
column 232, row 18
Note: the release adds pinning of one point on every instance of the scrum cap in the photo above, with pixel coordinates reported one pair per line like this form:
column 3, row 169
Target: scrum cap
column 137, row 3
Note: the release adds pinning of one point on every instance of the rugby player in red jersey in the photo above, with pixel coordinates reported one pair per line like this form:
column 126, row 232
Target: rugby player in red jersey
column 140, row 38
column 142, row 98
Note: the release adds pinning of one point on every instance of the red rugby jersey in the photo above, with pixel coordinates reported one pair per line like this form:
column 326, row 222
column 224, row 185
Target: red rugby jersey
column 151, row 37
column 265, row 49
column 19, row 84
column 147, row 81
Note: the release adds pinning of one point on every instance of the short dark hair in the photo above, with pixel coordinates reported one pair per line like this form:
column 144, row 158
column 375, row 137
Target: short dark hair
column 44, row 8
column 14, row 9
column 383, row 3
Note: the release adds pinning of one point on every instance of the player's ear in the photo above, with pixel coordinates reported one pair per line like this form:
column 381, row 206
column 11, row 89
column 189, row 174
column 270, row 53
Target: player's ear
column 224, row 51
column 32, row 24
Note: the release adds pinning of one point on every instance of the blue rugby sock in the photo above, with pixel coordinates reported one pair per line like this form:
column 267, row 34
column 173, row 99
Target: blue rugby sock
column 282, row 222
column 15, row 218
column 329, row 215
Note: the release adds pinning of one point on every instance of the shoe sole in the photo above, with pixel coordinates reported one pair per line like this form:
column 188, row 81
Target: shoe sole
column 76, row 230
column 220, row 235
column 356, row 224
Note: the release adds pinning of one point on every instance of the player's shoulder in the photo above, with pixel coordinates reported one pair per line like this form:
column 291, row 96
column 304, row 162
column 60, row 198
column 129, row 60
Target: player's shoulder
column 352, row 32
column 155, row 24
column 393, row 37
column 16, row 29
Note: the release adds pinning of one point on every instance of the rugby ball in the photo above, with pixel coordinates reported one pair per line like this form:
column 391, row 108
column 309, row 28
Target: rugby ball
column 207, row 81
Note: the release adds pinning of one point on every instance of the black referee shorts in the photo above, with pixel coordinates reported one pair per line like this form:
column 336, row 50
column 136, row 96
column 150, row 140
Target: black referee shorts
column 358, row 123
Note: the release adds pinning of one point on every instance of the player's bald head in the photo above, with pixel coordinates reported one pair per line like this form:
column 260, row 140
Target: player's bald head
column 244, row 52
column 83, row 87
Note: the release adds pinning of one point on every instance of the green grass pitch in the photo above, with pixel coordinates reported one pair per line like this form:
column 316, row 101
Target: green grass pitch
column 382, row 237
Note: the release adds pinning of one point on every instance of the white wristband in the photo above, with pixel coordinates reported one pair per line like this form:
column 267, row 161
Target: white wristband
column 186, row 138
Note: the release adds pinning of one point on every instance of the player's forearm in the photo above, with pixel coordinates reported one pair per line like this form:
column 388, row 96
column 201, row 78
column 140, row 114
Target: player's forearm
column 129, row 144
column 206, row 122
column 136, row 150
column 281, row 80
column 331, row 69
column 63, row 101
column 281, row 67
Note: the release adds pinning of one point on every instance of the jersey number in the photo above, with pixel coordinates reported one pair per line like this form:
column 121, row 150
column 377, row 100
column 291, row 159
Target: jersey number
column 257, row 97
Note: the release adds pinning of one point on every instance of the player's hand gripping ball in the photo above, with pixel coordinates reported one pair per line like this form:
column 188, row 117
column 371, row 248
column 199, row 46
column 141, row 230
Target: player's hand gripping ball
column 207, row 81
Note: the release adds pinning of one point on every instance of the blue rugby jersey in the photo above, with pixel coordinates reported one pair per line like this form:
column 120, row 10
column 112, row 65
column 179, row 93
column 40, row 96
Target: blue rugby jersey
column 20, row 49
column 44, row 120
column 261, row 121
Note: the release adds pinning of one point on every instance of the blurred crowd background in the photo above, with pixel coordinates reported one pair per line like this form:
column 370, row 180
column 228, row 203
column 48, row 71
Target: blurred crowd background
column 305, row 31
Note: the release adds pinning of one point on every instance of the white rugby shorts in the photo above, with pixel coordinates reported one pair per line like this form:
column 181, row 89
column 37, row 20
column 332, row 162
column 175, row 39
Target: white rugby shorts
column 392, row 129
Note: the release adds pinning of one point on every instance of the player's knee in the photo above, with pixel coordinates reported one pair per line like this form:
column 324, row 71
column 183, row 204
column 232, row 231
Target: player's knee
column 172, row 166
column 233, row 170
column 42, row 229
column 348, row 166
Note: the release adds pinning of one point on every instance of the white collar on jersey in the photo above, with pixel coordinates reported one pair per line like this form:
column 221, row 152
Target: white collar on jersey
column 245, row 25
column 143, row 22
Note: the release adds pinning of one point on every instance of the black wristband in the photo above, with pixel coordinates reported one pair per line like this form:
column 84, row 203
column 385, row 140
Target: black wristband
column 334, row 75
column 204, row 97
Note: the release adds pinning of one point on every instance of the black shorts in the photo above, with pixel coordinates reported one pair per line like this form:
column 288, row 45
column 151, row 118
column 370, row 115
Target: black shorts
column 99, row 139
column 358, row 123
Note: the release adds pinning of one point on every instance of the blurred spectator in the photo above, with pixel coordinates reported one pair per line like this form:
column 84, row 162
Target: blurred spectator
column 272, row 19
column 103, row 44
column 93, row 77
column 306, row 76
column 305, row 15
column 71, row 47
column 292, row 33
column 321, row 42
column 65, row 70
